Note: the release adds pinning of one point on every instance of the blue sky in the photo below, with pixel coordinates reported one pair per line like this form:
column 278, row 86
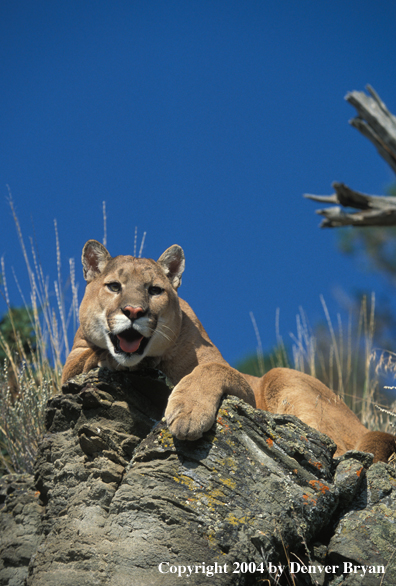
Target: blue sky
column 201, row 123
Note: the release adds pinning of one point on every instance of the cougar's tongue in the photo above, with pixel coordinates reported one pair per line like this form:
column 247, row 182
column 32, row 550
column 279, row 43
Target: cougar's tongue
column 129, row 346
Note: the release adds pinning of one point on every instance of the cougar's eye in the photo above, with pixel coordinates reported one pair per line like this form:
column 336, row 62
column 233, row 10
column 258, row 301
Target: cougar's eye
column 114, row 286
column 155, row 290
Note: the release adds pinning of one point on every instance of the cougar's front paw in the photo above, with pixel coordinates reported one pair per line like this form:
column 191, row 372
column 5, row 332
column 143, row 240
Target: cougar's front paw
column 190, row 413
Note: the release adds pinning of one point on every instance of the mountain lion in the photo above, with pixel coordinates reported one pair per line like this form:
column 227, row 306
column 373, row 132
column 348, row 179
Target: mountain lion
column 131, row 316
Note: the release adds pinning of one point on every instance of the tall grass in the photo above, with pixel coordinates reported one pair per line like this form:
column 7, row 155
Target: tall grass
column 343, row 356
column 30, row 375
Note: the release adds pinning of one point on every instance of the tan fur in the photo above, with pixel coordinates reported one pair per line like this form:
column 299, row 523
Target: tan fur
column 283, row 390
column 177, row 344
column 379, row 443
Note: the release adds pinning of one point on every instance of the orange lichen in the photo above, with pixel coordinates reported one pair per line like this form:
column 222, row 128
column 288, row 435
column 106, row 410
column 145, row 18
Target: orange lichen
column 270, row 442
column 223, row 424
column 319, row 486
column 309, row 500
column 317, row 465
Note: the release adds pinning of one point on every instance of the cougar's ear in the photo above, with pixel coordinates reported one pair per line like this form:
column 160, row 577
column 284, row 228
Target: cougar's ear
column 94, row 259
column 172, row 262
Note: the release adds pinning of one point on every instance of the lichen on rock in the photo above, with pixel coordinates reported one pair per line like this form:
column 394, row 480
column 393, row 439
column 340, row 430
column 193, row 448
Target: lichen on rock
column 121, row 499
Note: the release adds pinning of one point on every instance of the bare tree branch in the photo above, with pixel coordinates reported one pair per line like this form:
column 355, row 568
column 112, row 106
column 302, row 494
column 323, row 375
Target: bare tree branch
column 377, row 124
column 376, row 210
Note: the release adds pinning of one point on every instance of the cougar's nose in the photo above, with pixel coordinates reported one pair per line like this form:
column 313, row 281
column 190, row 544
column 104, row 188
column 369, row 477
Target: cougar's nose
column 132, row 312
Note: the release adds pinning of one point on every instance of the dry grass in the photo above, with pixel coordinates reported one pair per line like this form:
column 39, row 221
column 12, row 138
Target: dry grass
column 30, row 376
column 343, row 357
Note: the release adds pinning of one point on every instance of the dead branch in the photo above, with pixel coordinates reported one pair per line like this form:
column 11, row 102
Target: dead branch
column 377, row 124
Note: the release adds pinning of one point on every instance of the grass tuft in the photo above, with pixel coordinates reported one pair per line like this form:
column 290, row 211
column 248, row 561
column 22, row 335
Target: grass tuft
column 32, row 368
column 340, row 355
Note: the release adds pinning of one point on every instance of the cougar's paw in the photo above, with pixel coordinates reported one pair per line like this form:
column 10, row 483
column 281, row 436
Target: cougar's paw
column 189, row 414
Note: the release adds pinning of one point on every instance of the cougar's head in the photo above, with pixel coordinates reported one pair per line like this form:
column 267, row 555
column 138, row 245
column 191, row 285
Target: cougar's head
column 130, row 304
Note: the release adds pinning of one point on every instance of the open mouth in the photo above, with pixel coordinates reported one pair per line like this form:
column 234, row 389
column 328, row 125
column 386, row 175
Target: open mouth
column 129, row 342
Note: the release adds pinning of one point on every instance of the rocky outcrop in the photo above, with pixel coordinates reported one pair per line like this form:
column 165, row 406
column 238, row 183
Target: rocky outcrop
column 20, row 526
column 258, row 498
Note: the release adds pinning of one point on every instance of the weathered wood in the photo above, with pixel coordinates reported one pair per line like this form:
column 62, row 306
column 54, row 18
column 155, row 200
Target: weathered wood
column 375, row 210
column 377, row 124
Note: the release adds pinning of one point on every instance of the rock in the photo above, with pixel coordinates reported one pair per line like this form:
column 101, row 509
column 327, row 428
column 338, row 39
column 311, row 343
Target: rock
column 20, row 527
column 125, row 503
column 366, row 533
